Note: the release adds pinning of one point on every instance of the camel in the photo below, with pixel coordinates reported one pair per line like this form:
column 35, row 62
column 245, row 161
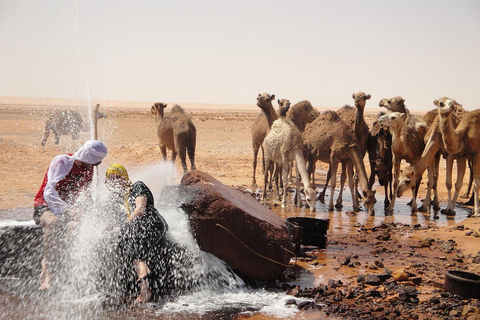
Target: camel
column 430, row 159
column 354, row 117
column 407, row 143
column 66, row 122
column 463, row 139
column 176, row 132
column 330, row 140
column 381, row 146
column 395, row 104
column 302, row 113
column 260, row 127
column 283, row 144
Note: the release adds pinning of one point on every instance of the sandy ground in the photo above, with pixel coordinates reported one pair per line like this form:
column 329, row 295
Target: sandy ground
column 223, row 149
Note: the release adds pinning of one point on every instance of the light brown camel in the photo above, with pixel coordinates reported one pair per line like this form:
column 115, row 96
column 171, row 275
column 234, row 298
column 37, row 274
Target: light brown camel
column 408, row 135
column 354, row 117
column 260, row 127
column 301, row 114
column 431, row 159
column 176, row 132
column 463, row 139
column 330, row 140
column 283, row 144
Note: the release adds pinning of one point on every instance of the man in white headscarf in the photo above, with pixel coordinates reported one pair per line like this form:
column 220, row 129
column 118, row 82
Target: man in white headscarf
column 66, row 177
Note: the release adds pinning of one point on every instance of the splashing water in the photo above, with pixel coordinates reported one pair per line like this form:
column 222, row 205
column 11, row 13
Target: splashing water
column 199, row 283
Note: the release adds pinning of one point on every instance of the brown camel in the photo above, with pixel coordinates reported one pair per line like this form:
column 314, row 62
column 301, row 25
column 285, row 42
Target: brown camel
column 302, row 113
column 463, row 139
column 176, row 132
column 330, row 140
column 66, row 122
column 395, row 104
column 408, row 135
column 431, row 159
column 283, row 144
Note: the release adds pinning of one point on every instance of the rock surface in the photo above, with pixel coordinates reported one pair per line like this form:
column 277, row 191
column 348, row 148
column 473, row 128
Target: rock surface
column 234, row 227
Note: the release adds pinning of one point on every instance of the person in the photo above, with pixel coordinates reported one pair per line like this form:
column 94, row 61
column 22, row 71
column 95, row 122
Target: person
column 144, row 227
column 54, row 209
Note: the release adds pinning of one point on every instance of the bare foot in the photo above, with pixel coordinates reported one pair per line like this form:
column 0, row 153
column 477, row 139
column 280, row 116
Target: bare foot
column 145, row 293
column 45, row 285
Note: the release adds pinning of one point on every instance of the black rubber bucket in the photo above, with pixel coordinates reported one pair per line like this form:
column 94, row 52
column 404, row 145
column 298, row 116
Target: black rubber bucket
column 308, row 231
column 465, row 284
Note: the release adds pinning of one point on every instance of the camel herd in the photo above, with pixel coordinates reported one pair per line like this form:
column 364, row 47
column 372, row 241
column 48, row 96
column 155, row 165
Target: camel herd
column 298, row 136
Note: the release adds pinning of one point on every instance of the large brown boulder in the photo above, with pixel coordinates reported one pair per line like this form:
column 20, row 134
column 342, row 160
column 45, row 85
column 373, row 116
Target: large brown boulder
column 252, row 239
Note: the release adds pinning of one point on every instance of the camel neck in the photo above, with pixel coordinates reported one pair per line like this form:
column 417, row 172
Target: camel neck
column 270, row 114
column 431, row 149
column 450, row 138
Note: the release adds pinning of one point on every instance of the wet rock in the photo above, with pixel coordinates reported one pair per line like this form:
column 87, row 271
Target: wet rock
column 344, row 260
column 21, row 250
column 373, row 280
column 384, row 236
column 234, row 227
column 400, row 275
column 426, row 243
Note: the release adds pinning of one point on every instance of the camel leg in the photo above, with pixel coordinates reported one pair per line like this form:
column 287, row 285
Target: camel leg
column 163, row 150
column 46, row 133
column 343, row 177
column 435, row 201
column 351, row 184
column 311, row 172
column 321, row 195
column 476, row 185
column 181, row 149
column 448, row 183
column 430, row 185
column 285, row 178
column 298, row 197
column 57, row 137
column 414, row 194
column 265, row 176
column 470, row 181
column 461, row 167
column 191, row 156
column 396, row 174
column 333, row 183
column 256, row 147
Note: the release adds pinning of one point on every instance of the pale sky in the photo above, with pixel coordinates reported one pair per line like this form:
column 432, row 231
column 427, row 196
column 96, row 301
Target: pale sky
column 222, row 51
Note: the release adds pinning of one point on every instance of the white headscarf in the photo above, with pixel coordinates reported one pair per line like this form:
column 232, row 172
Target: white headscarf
column 93, row 151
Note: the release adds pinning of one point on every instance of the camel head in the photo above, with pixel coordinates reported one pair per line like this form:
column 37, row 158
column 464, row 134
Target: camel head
column 360, row 98
column 311, row 197
column 393, row 120
column 395, row 104
column 264, row 101
column 407, row 180
column 157, row 108
column 445, row 105
column 369, row 200
column 283, row 107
